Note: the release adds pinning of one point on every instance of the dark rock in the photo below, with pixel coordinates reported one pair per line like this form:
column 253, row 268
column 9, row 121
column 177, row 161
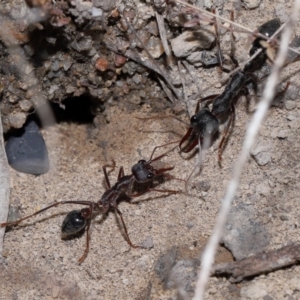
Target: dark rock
column 26, row 150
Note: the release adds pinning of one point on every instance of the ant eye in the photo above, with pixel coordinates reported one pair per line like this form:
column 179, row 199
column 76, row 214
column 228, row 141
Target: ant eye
column 193, row 119
column 150, row 176
column 141, row 161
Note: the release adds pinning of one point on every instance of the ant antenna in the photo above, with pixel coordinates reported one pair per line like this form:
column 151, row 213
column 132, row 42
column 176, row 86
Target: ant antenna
column 162, row 155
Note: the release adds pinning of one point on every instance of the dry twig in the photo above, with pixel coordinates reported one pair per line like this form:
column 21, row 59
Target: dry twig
column 4, row 186
column 261, row 263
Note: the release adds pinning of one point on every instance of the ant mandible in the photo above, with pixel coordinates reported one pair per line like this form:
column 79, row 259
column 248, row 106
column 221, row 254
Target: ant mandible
column 78, row 220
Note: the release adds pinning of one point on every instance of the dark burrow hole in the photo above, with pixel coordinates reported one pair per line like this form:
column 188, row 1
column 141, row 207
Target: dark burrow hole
column 74, row 109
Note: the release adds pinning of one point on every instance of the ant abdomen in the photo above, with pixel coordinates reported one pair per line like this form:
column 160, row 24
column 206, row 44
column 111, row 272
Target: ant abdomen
column 73, row 224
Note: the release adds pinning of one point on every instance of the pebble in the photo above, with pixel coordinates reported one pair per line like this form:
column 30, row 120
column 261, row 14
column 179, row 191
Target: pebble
column 263, row 189
column 26, row 150
column 17, row 120
column 250, row 4
column 148, row 242
column 255, row 290
column 261, row 153
column 289, row 105
column 25, row 105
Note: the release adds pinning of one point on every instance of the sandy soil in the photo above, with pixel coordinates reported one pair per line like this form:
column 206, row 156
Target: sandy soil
column 39, row 265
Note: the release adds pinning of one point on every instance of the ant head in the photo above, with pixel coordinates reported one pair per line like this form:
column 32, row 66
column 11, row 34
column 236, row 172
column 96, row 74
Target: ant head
column 143, row 171
column 74, row 222
column 204, row 123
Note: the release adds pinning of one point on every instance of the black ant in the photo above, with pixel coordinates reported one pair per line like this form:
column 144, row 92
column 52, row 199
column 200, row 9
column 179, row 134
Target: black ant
column 205, row 122
column 78, row 220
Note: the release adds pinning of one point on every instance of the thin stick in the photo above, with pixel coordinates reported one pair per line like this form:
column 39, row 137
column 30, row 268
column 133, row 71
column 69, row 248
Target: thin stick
column 259, row 264
column 268, row 95
column 162, row 33
column 4, row 187
column 183, row 87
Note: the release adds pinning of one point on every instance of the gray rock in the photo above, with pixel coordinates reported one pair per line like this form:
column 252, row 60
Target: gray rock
column 243, row 235
column 183, row 274
column 26, row 150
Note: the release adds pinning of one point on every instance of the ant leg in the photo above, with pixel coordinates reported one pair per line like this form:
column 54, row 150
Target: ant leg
column 208, row 99
column 190, row 137
column 87, row 247
column 42, row 210
column 121, row 173
column 225, row 134
column 165, row 117
column 197, row 165
column 155, row 190
column 159, row 157
column 105, row 172
column 125, row 228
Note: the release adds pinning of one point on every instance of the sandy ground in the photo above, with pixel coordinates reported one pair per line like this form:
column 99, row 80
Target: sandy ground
column 40, row 265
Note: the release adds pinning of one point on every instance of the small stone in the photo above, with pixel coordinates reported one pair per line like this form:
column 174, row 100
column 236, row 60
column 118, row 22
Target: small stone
column 67, row 65
column 135, row 98
column 284, row 218
column 155, row 47
column 17, row 120
column 250, row 4
column 263, row 158
column 148, row 242
column 255, row 290
column 208, row 4
column 25, row 105
column 282, row 134
column 70, row 89
column 261, row 153
column 137, row 78
column 97, row 12
column 203, row 185
column 26, row 150
column 101, row 64
column 289, row 105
